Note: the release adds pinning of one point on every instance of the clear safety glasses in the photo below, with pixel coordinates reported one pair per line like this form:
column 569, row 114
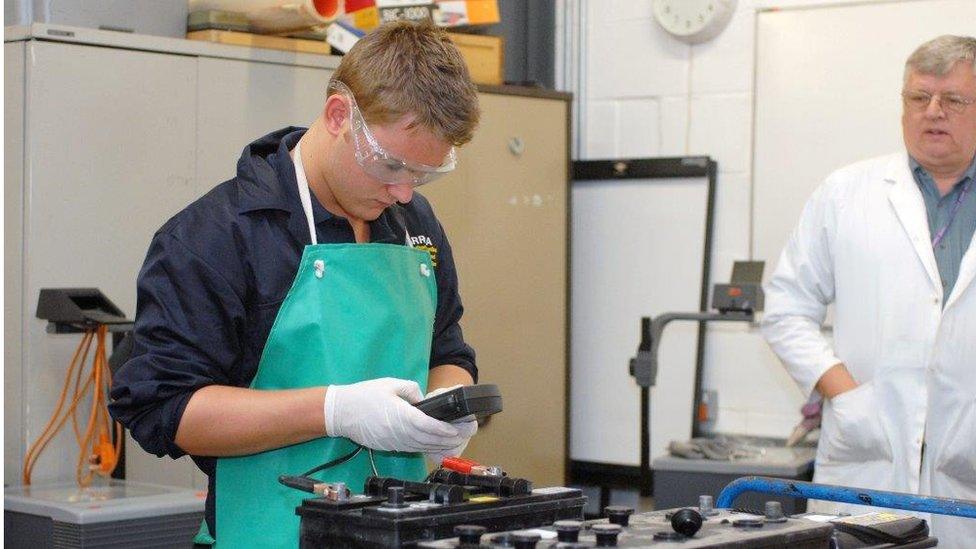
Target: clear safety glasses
column 377, row 161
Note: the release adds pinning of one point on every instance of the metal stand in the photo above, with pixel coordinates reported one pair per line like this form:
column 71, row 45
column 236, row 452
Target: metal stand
column 644, row 369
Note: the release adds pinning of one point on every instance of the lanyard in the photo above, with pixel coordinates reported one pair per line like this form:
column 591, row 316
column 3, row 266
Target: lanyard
column 952, row 215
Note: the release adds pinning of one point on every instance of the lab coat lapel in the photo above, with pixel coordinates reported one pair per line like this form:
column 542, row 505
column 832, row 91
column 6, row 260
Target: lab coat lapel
column 906, row 198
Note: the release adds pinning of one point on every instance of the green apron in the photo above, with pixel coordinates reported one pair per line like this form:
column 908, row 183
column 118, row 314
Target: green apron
column 354, row 312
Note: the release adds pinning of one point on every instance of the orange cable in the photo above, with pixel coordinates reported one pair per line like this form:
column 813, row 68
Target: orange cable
column 117, row 446
column 101, row 450
column 87, row 440
column 104, row 454
column 64, row 418
column 47, row 434
column 74, row 415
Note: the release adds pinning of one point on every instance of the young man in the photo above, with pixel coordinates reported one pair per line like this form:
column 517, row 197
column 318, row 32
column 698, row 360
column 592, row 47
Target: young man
column 292, row 315
column 889, row 241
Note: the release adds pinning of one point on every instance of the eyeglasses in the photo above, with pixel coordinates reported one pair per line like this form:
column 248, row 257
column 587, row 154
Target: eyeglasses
column 377, row 161
column 920, row 100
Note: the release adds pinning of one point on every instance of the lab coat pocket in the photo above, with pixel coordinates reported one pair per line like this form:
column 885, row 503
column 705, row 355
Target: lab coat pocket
column 958, row 460
column 852, row 429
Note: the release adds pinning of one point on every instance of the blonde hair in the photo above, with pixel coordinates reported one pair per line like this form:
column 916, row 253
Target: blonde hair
column 939, row 55
column 408, row 68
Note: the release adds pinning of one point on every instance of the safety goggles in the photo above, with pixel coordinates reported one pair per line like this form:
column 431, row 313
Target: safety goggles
column 377, row 161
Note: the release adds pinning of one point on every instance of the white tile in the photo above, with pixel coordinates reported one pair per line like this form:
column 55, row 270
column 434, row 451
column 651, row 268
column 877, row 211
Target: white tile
column 721, row 127
column 630, row 10
column 674, row 125
column 787, row 4
column 596, row 11
column 638, row 128
column 725, row 63
column 600, row 129
column 634, row 59
column 616, row 11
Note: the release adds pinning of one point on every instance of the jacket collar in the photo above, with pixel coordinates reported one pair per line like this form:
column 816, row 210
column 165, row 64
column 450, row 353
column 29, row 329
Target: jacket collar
column 906, row 199
column 267, row 174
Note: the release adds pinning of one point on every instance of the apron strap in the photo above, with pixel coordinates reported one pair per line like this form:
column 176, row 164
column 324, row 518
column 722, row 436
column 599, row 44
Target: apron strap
column 303, row 192
column 306, row 196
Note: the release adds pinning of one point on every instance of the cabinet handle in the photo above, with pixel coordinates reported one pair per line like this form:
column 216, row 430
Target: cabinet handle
column 516, row 146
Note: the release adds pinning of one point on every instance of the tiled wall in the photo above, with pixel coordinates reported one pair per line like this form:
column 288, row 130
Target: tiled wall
column 643, row 93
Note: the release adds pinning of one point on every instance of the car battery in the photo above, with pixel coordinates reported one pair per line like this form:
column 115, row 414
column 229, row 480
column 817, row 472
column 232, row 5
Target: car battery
column 397, row 518
column 682, row 528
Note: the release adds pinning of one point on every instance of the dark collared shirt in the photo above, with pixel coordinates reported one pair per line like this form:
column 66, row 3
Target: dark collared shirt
column 949, row 252
column 217, row 273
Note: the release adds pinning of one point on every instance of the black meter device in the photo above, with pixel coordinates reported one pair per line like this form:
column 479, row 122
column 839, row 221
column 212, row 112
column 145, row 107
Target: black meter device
column 744, row 293
column 477, row 400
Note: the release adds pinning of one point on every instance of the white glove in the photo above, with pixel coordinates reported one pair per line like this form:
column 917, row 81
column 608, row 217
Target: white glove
column 378, row 414
column 467, row 427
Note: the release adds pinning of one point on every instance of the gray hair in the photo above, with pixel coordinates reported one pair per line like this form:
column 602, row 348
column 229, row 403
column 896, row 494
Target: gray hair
column 939, row 55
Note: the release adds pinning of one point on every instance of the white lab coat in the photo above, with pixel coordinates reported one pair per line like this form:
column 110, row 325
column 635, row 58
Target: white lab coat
column 863, row 244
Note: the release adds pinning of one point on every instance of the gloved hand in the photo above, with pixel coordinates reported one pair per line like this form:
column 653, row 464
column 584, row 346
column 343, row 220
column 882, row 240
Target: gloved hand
column 467, row 426
column 378, row 414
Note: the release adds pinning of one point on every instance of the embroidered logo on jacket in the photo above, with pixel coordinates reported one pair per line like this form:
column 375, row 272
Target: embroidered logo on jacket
column 422, row 242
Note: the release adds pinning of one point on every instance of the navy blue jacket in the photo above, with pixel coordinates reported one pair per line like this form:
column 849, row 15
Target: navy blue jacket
column 217, row 273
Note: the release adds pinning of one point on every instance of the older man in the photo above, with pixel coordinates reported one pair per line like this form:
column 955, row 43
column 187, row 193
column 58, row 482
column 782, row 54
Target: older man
column 888, row 241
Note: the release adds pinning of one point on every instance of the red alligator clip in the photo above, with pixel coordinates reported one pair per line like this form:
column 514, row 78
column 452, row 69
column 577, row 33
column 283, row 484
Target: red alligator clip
column 470, row 467
column 460, row 464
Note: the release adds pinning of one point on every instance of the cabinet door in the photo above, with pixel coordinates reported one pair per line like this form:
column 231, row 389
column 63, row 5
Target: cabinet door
column 240, row 101
column 13, row 258
column 111, row 154
column 506, row 217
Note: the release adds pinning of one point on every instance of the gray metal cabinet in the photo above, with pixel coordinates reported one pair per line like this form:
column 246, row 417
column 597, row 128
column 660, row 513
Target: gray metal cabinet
column 108, row 156
column 241, row 101
column 13, row 262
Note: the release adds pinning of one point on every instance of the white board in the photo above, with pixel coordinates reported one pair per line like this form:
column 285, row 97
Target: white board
column 828, row 85
column 637, row 250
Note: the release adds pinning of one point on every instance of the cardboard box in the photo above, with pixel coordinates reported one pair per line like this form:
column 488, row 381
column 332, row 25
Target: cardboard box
column 235, row 38
column 455, row 13
column 368, row 14
column 485, row 56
